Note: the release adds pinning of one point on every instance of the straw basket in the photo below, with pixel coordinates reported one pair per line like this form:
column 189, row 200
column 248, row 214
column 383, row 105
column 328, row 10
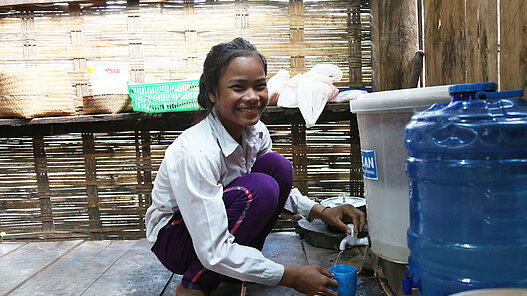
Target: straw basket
column 35, row 92
column 106, row 104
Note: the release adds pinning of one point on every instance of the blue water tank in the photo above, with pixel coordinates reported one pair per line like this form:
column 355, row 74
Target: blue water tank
column 467, row 164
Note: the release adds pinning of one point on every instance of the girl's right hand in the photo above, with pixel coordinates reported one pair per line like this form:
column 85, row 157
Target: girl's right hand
column 309, row 279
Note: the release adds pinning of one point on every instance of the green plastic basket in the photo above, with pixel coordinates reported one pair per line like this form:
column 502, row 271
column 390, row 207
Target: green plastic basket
column 160, row 97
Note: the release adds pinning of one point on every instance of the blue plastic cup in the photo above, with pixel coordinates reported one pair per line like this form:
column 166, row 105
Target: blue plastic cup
column 346, row 276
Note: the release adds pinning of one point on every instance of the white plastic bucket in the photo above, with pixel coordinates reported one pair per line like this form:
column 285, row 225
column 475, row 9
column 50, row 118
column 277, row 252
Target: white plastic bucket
column 382, row 117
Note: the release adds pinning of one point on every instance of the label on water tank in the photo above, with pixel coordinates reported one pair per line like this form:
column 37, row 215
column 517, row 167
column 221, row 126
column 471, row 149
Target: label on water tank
column 369, row 164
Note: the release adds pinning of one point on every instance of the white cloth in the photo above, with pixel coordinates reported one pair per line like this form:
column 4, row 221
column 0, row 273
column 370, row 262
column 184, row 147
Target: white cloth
column 196, row 167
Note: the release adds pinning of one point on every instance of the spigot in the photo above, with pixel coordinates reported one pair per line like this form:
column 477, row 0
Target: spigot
column 409, row 283
column 352, row 240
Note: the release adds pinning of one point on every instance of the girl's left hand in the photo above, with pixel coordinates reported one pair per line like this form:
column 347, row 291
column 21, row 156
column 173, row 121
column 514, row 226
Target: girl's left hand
column 341, row 215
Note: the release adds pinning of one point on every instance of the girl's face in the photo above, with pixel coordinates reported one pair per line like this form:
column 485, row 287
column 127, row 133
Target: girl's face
column 241, row 96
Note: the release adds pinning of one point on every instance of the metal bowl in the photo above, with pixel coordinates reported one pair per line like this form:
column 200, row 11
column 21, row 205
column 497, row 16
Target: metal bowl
column 357, row 202
column 337, row 201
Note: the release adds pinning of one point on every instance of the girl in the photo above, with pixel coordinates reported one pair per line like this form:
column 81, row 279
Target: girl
column 220, row 189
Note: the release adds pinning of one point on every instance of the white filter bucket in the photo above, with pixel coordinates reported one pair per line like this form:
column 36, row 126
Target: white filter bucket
column 382, row 117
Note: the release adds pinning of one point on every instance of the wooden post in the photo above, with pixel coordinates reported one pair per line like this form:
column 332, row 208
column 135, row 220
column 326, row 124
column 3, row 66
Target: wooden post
column 144, row 173
column 44, row 194
column 445, row 42
column 461, row 42
column 513, row 32
column 298, row 64
column 296, row 36
column 146, row 142
column 354, row 44
column 395, row 43
column 299, row 154
column 482, row 41
column 90, row 168
column 394, row 39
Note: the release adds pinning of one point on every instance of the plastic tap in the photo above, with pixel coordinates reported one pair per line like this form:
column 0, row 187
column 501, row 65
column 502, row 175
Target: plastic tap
column 352, row 240
column 409, row 283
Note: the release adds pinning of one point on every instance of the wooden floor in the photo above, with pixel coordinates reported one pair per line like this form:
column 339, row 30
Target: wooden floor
column 129, row 268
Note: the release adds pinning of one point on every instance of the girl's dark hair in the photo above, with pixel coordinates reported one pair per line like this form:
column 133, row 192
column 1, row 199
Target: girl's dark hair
column 217, row 59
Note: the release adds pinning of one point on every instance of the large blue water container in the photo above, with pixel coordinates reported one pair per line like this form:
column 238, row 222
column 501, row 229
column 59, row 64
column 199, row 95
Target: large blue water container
column 467, row 164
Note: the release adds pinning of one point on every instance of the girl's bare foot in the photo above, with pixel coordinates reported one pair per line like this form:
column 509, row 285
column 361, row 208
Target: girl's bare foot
column 181, row 291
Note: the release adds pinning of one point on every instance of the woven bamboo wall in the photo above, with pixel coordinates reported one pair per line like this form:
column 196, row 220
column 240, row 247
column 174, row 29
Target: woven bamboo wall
column 79, row 186
column 168, row 40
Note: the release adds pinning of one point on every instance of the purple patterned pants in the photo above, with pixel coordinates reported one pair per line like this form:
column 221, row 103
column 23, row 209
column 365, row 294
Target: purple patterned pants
column 253, row 203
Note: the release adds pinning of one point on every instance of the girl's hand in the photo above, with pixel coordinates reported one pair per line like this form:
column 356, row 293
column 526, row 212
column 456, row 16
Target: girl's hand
column 341, row 215
column 309, row 279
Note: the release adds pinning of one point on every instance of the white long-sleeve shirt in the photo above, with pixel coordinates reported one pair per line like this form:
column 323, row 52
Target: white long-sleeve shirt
column 191, row 179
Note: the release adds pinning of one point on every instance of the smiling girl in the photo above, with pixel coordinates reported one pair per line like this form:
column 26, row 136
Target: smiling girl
column 220, row 189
